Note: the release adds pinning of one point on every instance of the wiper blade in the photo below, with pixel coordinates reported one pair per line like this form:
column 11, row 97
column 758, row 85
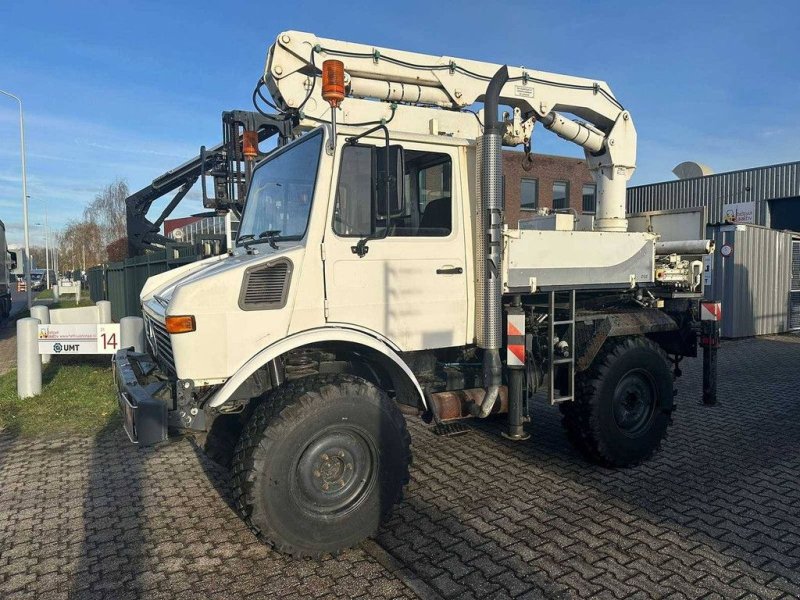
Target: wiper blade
column 243, row 239
column 269, row 235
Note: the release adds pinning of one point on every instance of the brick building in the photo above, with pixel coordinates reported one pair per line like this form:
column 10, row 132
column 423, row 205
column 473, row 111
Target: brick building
column 552, row 182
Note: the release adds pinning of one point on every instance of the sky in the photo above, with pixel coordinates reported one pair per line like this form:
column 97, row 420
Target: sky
column 131, row 89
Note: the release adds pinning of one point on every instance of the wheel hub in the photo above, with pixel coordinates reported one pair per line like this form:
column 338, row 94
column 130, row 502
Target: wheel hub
column 334, row 471
column 634, row 402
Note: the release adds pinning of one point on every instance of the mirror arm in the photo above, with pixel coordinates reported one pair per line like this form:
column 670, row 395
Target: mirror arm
column 361, row 248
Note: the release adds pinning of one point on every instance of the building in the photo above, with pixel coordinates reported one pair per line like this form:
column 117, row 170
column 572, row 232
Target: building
column 556, row 182
column 768, row 196
column 192, row 230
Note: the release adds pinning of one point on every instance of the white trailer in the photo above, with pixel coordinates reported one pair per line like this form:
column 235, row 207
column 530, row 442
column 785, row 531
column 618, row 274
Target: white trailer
column 373, row 276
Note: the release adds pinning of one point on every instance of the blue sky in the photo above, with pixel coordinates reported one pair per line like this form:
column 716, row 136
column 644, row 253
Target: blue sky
column 131, row 89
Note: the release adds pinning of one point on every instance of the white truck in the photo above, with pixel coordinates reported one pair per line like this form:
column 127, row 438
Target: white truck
column 7, row 265
column 373, row 278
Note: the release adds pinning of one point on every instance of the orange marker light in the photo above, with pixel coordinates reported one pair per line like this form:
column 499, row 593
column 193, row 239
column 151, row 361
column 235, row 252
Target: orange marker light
column 250, row 144
column 180, row 324
column 333, row 82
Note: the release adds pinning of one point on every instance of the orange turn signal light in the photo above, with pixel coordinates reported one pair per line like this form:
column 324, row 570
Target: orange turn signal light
column 333, row 82
column 180, row 324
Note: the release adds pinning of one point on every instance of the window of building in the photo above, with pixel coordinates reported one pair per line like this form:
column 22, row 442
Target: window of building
column 529, row 194
column 427, row 194
column 560, row 195
column 589, row 198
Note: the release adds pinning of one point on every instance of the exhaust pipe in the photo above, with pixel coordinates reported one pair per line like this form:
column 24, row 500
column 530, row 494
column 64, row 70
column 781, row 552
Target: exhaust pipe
column 489, row 245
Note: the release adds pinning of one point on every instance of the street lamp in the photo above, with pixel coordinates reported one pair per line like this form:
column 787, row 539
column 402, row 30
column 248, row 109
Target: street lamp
column 46, row 249
column 27, row 262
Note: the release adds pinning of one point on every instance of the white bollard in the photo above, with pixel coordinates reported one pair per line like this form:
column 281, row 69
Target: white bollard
column 103, row 311
column 78, row 294
column 29, row 365
column 131, row 333
column 55, row 293
column 42, row 313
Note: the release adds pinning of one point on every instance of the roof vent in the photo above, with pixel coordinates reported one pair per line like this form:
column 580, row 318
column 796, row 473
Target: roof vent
column 690, row 169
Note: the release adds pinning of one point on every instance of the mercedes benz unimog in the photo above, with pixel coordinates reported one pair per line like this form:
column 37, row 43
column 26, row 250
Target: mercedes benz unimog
column 373, row 279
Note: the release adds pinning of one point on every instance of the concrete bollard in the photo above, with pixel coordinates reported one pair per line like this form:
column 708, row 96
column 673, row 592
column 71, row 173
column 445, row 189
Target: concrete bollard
column 103, row 311
column 42, row 313
column 131, row 333
column 29, row 365
column 55, row 293
column 78, row 293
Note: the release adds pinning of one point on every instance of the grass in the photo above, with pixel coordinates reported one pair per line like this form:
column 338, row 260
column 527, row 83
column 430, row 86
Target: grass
column 76, row 398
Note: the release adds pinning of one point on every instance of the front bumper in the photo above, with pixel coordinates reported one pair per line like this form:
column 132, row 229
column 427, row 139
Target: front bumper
column 143, row 397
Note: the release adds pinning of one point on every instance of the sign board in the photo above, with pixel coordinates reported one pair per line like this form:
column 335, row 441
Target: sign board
column 739, row 212
column 710, row 311
column 88, row 338
column 708, row 262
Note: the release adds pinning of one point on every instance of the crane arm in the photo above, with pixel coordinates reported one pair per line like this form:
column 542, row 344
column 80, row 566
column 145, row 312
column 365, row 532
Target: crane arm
column 607, row 134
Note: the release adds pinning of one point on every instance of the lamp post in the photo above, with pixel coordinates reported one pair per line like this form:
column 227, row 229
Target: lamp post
column 46, row 250
column 27, row 265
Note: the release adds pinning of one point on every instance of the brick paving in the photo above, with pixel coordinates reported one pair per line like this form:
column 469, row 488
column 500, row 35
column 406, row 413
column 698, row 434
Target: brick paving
column 715, row 515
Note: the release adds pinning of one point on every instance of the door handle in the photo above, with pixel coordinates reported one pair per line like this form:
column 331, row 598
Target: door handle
column 449, row 271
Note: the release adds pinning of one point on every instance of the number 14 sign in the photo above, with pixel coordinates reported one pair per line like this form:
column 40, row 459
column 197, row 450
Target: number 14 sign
column 73, row 338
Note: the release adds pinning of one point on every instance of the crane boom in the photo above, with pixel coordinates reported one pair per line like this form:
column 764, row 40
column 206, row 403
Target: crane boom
column 421, row 85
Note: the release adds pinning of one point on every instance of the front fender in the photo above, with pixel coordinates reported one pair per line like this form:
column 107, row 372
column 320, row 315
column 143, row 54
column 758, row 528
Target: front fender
column 310, row 337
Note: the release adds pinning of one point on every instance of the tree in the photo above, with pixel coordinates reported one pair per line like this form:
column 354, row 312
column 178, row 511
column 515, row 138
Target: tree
column 80, row 245
column 107, row 211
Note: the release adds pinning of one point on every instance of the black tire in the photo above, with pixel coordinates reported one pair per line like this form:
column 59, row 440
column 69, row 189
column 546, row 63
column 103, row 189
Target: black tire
column 623, row 403
column 320, row 464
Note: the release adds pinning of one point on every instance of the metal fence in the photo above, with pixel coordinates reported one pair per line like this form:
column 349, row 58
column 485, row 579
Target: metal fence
column 122, row 282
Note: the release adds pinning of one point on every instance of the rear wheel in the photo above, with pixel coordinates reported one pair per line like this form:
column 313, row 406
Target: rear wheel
column 623, row 403
column 320, row 464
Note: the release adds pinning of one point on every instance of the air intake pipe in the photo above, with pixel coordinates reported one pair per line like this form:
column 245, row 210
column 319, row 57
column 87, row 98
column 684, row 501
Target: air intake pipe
column 489, row 245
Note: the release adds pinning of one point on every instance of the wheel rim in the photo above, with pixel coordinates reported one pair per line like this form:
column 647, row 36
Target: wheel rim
column 335, row 472
column 634, row 402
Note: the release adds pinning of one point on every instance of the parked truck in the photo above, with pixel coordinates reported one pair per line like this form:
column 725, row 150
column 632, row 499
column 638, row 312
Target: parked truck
column 7, row 265
column 373, row 279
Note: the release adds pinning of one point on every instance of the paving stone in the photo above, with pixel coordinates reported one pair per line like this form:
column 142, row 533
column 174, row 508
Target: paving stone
column 713, row 515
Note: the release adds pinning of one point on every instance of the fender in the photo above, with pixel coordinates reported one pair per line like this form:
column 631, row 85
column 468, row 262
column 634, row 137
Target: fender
column 336, row 333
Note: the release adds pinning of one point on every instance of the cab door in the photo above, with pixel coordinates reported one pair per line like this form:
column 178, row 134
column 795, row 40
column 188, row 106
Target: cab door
column 411, row 285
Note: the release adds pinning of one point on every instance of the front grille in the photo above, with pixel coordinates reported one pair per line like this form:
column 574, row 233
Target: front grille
column 265, row 286
column 161, row 345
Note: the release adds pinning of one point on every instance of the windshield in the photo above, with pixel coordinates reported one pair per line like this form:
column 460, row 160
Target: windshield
column 279, row 200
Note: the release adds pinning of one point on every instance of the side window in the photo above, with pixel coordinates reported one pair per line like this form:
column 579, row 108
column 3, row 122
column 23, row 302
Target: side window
column 560, row 195
column 589, row 198
column 428, row 196
column 529, row 194
column 352, row 214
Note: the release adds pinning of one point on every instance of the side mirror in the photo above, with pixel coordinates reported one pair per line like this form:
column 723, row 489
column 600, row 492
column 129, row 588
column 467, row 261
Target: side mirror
column 389, row 164
column 13, row 256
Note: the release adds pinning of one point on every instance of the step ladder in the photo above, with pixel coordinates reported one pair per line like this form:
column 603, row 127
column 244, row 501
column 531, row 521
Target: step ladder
column 562, row 324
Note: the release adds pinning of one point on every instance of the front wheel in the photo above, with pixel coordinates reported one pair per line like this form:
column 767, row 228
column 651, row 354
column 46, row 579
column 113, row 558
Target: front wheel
column 320, row 464
column 623, row 403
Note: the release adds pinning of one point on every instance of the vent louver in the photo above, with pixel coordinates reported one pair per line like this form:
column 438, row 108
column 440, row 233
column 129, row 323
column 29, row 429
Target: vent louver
column 265, row 286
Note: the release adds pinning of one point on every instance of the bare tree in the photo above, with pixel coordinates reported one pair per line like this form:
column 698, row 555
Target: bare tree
column 80, row 245
column 107, row 211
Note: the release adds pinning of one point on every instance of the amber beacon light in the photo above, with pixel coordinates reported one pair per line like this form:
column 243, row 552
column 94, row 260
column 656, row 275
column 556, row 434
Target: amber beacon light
column 333, row 82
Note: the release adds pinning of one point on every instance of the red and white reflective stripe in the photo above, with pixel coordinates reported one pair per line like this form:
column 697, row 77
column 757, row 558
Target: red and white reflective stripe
column 710, row 311
column 515, row 332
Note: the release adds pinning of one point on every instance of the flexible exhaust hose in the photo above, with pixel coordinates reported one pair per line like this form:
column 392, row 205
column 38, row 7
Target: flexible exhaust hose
column 489, row 250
